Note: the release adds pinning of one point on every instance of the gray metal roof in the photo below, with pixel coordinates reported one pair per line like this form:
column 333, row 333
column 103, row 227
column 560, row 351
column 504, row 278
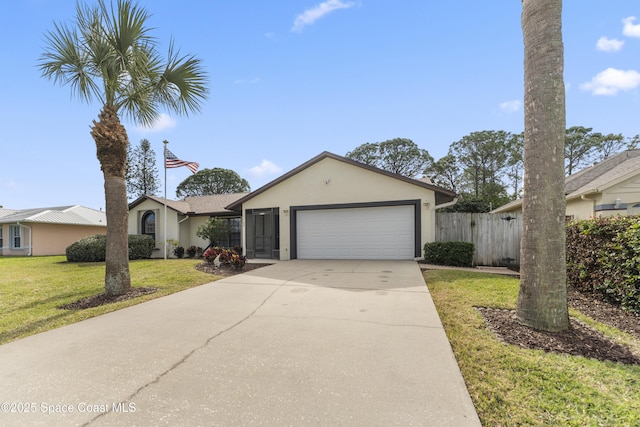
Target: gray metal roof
column 72, row 215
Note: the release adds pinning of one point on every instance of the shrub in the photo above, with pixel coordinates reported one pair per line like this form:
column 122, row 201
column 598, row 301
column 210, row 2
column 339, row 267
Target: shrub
column 140, row 246
column 88, row 249
column 458, row 254
column 194, row 251
column 179, row 252
column 93, row 248
column 603, row 257
column 227, row 257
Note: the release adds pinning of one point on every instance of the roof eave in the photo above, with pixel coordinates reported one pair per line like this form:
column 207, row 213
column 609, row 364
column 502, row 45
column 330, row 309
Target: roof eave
column 442, row 195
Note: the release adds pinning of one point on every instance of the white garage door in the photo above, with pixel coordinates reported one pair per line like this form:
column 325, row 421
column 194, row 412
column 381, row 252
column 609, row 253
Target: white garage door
column 359, row 233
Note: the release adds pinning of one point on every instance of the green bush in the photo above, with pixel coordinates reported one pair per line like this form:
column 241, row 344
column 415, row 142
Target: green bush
column 458, row 254
column 179, row 252
column 93, row 248
column 89, row 249
column 603, row 257
column 140, row 246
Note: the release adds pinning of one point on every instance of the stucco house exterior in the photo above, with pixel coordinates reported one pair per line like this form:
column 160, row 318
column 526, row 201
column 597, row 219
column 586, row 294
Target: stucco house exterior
column 47, row 231
column 147, row 213
column 330, row 207
column 611, row 187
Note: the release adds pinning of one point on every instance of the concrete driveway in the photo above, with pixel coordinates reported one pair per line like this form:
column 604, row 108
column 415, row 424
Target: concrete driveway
column 330, row 343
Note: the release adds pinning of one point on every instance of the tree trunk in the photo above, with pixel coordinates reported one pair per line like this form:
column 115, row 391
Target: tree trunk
column 111, row 143
column 542, row 300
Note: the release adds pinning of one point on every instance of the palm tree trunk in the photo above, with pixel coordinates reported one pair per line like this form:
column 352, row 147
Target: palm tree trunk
column 111, row 143
column 542, row 300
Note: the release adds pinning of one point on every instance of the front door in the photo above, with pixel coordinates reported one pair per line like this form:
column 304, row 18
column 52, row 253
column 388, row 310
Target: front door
column 262, row 233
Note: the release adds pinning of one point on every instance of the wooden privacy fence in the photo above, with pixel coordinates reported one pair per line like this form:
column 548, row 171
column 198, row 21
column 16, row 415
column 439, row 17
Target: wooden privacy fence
column 496, row 237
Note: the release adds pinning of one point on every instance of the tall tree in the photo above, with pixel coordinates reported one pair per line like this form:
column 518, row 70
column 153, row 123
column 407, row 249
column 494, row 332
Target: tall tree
column 515, row 163
column 580, row 144
column 611, row 144
column 108, row 54
column 398, row 155
column 482, row 157
column 445, row 172
column 212, row 181
column 542, row 298
column 141, row 175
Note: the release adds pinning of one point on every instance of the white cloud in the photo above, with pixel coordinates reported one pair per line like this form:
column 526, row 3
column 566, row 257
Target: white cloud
column 609, row 45
column 510, row 106
column 265, row 168
column 611, row 81
column 630, row 29
column 164, row 122
column 312, row 15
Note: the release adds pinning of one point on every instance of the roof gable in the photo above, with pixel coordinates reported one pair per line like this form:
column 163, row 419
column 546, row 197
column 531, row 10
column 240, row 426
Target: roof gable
column 590, row 174
column 442, row 195
column 596, row 178
column 195, row 205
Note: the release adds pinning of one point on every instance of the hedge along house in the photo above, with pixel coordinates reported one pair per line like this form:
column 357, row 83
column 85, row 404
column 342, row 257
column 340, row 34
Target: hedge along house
column 611, row 187
column 47, row 231
column 332, row 207
column 147, row 216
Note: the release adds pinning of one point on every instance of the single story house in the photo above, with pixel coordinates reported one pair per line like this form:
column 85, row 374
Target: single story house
column 611, row 187
column 330, row 207
column 147, row 214
column 47, row 231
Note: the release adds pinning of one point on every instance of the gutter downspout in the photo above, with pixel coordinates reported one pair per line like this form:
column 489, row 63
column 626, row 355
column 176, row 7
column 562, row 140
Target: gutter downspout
column 30, row 236
column 593, row 203
column 446, row 205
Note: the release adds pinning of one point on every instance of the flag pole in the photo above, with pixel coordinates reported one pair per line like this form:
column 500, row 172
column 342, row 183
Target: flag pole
column 165, row 142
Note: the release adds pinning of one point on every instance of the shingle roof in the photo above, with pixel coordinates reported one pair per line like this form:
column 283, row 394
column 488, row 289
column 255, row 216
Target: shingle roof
column 621, row 164
column 603, row 175
column 196, row 205
column 596, row 178
column 72, row 215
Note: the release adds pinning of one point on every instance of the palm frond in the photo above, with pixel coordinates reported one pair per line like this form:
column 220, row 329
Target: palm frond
column 183, row 84
column 111, row 55
column 66, row 62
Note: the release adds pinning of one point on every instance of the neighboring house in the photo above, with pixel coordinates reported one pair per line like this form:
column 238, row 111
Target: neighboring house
column 47, row 231
column 147, row 213
column 330, row 207
column 608, row 188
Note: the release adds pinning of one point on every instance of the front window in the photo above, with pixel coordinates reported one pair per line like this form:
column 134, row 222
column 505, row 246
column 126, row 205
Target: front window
column 15, row 236
column 149, row 224
column 231, row 240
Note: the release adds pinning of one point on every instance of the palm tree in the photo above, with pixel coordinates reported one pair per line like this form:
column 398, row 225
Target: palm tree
column 542, row 300
column 109, row 55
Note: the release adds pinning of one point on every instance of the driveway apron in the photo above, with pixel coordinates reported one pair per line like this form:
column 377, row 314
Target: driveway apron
column 327, row 343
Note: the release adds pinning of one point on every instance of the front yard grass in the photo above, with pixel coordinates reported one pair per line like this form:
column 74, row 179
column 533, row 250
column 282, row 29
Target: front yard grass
column 32, row 288
column 514, row 386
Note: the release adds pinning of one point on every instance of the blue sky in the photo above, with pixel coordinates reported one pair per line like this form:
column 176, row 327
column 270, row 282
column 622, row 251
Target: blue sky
column 291, row 79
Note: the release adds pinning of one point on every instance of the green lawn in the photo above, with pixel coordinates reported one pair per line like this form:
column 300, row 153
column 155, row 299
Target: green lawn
column 511, row 386
column 31, row 289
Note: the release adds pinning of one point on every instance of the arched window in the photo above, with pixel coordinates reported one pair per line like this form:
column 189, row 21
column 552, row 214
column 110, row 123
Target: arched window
column 149, row 224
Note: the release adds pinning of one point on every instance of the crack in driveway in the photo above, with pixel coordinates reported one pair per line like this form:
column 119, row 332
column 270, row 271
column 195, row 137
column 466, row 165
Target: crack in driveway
column 188, row 355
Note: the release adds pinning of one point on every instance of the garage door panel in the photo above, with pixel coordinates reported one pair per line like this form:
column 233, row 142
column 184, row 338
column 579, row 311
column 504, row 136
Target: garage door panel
column 359, row 233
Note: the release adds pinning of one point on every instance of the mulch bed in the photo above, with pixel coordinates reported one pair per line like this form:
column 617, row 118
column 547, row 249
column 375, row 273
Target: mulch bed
column 102, row 299
column 580, row 339
column 225, row 270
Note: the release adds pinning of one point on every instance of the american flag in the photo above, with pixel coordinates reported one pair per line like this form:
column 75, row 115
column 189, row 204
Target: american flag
column 171, row 161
